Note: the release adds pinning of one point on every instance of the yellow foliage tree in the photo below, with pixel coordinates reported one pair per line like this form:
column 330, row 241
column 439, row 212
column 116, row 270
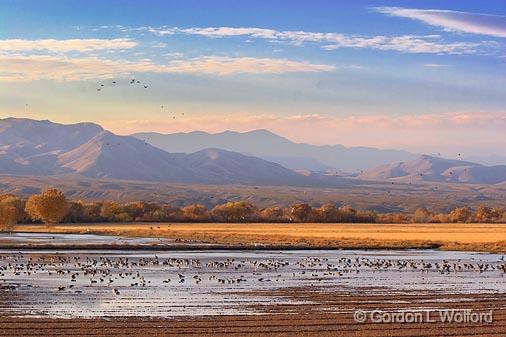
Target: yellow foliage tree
column 422, row 215
column 51, row 206
column 11, row 211
column 461, row 214
column 195, row 212
column 236, row 211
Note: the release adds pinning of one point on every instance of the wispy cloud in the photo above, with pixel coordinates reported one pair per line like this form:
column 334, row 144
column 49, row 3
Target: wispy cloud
column 52, row 45
column 465, row 22
column 434, row 65
column 429, row 44
column 36, row 67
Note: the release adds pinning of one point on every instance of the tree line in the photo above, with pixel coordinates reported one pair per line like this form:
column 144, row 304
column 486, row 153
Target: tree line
column 52, row 207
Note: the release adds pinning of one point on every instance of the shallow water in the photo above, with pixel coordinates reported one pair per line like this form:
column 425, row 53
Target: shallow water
column 77, row 239
column 221, row 282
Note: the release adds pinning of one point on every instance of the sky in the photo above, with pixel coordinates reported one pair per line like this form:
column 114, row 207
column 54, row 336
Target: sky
column 425, row 76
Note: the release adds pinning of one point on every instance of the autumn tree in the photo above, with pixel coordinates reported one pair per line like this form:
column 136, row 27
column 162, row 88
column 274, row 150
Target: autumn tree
column 11, row 211
column 301, row 213
column 50, row 206
column 238, row 211
column 91, row 211
column 112, row 211
column 348, row 214
column 484, row 214
column 76, row 212
column 421, row 215
column 461, row 214
column 273, row 214
column 329, row 213
column 195, row 212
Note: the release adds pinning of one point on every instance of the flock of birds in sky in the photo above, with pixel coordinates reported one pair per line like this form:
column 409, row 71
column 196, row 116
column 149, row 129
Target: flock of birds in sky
column 135, row 83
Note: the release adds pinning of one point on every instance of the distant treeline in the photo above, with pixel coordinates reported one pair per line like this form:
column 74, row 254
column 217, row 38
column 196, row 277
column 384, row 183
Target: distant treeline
column 51, row 207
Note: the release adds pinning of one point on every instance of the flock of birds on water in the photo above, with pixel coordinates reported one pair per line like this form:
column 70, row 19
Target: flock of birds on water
column 77, row 273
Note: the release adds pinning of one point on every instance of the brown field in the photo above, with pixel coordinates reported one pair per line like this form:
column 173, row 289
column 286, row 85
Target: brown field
column 316, row 318
column 472, row 237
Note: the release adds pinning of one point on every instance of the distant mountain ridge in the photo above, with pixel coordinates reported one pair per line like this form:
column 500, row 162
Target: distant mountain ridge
column 43, row 148
column 30, row 147
column 435, row 169
column 267, row 145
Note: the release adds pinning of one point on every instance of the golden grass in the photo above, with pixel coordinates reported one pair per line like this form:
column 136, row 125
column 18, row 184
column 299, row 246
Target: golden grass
column 476, row 237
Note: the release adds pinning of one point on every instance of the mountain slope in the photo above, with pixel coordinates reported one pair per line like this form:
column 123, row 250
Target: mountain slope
column 267, row 145
column 434, row 169
column 43, row 148
column 223, row 167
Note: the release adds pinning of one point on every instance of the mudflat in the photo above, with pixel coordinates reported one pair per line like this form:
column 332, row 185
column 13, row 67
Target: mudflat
column 312, row 319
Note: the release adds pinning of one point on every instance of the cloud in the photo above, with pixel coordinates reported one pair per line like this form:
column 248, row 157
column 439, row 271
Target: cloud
column 454, row 21
column 429, row 44
column 434, row 65
column 79, row 45
column 36, row 67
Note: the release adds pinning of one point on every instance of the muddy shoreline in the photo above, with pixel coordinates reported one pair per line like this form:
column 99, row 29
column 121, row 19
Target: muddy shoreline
column 316, row 319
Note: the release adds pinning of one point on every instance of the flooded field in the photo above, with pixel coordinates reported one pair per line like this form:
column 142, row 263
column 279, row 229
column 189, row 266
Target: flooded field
column 96, row 283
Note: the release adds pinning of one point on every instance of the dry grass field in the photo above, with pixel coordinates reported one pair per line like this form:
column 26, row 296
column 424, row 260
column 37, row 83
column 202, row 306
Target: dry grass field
column 472, row 237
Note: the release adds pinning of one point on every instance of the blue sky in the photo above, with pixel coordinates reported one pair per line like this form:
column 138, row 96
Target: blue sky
column 424, row 76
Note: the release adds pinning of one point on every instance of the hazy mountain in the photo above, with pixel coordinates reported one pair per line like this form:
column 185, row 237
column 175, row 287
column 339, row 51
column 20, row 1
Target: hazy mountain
column 435, row 169
column 267, row 145
column 29, row 147
column 488, row 160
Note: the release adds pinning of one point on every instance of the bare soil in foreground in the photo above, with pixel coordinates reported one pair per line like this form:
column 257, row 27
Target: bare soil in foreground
column 465, row 237
column 318, row 317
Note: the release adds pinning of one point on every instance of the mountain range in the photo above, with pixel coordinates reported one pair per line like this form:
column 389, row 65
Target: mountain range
column 435, row 169
column 267, row 145
column 43, row 148
column 30, row 147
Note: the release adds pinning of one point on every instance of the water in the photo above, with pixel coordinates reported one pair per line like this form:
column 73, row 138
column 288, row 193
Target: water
column 77, row 239
column 40, row 283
